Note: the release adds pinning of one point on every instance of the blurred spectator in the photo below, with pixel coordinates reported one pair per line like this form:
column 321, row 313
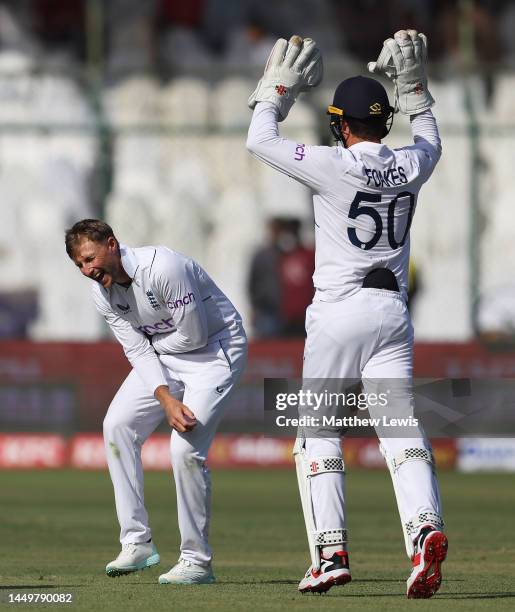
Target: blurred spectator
column 249, row 45
column 280, row 281
column 61, row 24
column 130, row 36
column 296, row 266
column 182, row 47
column 480, row 18
column 364, row 25
column 496, row 315
column 18, row 309
column 221, row 17
column 413, row 284
column 15, row 34
column 178, row 12
column 506, row 26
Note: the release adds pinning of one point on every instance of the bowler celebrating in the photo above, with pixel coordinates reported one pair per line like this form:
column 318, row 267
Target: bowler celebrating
column 186, row 343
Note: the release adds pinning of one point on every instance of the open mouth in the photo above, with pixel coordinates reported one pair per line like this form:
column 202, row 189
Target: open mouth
column 99, row 277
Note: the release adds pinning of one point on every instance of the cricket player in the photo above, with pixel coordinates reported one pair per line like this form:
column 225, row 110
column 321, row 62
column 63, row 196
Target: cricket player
column 186, row 343
column 358, row 326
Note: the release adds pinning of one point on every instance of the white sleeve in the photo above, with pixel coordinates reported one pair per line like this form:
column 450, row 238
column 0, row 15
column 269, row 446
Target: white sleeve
column 176, row 285
column 305, row 163
column 427, row 142
column 136, row 346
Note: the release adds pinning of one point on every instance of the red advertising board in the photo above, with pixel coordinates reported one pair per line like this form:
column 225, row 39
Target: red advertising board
column 86, row 452
column 68, row 386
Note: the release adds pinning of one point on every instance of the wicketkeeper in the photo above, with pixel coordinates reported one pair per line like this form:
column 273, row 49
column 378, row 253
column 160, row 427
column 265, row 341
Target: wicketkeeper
column 358, row 326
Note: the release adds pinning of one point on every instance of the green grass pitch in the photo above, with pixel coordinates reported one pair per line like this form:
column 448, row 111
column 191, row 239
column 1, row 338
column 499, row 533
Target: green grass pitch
column 59, row 529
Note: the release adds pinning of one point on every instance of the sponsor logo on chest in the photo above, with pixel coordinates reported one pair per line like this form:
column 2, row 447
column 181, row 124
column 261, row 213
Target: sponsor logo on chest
column 165, row 325
column 158, row 328
column 184, row 301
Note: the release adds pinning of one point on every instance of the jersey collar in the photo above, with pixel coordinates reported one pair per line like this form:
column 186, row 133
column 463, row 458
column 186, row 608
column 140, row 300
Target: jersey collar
column 129, row 262
column 373, row 147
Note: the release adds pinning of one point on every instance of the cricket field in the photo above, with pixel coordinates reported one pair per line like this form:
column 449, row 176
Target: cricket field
column 59, row 529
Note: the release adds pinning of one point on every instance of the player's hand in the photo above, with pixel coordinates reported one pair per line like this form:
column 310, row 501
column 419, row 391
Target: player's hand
column 292, row 66
column 403, row 59
column 178, row 415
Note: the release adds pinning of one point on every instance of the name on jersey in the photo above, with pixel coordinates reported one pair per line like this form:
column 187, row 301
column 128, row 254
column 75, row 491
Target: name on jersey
column 392, row 177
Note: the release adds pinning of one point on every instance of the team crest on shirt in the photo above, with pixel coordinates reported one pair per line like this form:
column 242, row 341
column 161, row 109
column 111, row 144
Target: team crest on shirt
column 152, row 299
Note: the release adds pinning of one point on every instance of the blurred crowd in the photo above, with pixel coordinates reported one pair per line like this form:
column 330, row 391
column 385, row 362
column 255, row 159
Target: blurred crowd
column 158, row 187
column 171, row 36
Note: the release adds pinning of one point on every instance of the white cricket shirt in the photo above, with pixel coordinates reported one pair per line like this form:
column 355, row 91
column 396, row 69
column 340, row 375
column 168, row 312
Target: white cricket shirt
column 364, row 198
column 172, row 306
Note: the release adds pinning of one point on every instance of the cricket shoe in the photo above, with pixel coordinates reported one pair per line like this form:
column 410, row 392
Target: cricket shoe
column 426, row 576
column 133, row 557
column 186, row 572
column 333, row 572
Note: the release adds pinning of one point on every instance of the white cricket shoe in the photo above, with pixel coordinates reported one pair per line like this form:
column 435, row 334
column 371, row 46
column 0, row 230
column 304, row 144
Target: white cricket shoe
column 133, row 557
column 186, row 572
column 333, row 572
column 426, row 576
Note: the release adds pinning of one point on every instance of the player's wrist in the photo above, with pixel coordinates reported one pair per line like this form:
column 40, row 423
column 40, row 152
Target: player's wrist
column 162, row 394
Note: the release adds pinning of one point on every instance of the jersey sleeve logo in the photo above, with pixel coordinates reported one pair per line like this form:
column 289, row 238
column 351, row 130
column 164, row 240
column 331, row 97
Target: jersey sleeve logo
column 300, row 152
column 152, row 300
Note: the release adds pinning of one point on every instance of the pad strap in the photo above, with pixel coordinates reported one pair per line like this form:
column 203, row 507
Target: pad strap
column 412, row 454
column 320, row 465
column 330, row 537
column 424, row 518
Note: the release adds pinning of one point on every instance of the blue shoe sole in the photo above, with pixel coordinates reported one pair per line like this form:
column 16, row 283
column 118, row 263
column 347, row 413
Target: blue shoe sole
column 113, row 571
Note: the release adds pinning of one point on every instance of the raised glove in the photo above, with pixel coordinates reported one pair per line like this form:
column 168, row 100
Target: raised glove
column 291, row 67
column 403, row 60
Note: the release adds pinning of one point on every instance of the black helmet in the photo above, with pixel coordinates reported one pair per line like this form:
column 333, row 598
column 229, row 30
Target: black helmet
column 360, row 98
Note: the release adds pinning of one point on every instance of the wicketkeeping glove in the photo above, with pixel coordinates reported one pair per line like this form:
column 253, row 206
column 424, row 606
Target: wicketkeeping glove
column 403, row 60
column 292, row 67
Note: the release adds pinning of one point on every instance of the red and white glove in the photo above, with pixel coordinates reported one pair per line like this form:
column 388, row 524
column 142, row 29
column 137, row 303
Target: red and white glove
column 292, row 66
column 403, row 60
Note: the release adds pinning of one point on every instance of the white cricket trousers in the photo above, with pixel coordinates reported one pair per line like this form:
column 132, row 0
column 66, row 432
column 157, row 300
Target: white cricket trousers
column 368, row 335
column 203, row 380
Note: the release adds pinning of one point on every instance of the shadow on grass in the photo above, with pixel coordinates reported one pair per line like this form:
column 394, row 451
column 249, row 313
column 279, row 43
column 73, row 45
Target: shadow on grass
column 399, row 580
column 476, row 595
column 441, row 596
column 38, row 585
column 289, row 582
